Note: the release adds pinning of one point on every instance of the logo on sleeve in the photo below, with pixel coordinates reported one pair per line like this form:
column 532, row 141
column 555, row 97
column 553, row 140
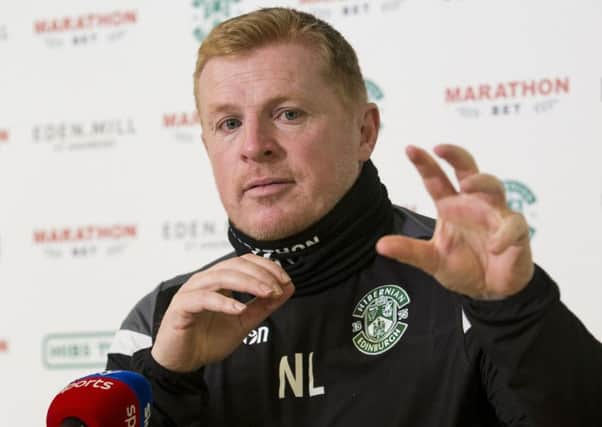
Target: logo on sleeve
column 377, row 324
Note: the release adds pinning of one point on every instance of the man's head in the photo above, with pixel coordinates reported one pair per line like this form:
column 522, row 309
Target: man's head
column 242, row 34
column 285, row 119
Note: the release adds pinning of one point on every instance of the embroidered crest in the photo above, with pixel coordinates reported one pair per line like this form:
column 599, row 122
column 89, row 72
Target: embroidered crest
column 377, row 324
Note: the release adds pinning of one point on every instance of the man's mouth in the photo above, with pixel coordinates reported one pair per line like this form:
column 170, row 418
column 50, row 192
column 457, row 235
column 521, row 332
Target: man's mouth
column 267, row 186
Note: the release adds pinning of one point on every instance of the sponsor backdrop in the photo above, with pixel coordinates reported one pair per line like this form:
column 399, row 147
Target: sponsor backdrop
column 106, row 189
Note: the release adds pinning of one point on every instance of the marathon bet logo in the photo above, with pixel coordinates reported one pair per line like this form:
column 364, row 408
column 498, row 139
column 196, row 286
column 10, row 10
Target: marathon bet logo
column 378, row 325
column 83, row 135
column 509, row 97
column 521, row 199
column 76, row 350
column 85, row 241
column 329, row 9
column 208, row 13
column 183, row 126
column 196, row 234
column 86, row 29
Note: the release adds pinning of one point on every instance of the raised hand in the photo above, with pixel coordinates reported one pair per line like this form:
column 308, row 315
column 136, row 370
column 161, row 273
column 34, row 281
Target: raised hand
column 204, row 324
column 480, row 247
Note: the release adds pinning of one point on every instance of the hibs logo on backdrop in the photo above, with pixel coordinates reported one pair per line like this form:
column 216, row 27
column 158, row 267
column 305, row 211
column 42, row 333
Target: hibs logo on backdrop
column 521, row 199
column 377, row 324
column 376, row 95
column 209, row 13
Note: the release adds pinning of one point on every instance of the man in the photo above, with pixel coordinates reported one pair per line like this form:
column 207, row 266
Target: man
column 371, row 313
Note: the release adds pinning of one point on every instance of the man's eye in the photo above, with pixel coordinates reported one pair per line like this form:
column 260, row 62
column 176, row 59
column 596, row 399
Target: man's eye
column 230, row 124
column 290, row 115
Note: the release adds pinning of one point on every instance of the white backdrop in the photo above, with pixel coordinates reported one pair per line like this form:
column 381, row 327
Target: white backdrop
column 105, row 189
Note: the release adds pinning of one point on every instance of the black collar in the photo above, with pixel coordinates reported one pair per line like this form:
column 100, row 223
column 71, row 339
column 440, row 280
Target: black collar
column 338, row 245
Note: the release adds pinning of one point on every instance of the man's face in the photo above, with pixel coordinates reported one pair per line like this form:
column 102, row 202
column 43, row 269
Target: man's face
column 283, row 147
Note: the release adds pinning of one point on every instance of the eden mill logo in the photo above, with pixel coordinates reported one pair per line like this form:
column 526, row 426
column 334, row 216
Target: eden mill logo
column 83, row 135
column 507, row 98
column 196, row 234
column 84, row 29
column 85, row 241
column 182, row 126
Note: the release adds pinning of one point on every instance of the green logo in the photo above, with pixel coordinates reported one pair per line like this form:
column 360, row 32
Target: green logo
column 76, row 350
column 209, row 14
column 378, row 325
column 375, row 93
column 520, row 199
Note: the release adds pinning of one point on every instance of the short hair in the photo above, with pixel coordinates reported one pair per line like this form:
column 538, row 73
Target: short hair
column 242, row 34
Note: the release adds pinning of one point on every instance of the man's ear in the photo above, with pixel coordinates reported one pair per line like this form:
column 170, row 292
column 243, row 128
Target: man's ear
column 369, row 125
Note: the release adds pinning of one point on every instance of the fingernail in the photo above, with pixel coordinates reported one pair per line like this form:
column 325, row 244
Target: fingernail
column 285, row 277
column 238, row 306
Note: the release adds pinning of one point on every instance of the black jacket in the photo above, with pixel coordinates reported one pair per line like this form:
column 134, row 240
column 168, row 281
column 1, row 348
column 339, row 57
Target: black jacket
column 349, row 356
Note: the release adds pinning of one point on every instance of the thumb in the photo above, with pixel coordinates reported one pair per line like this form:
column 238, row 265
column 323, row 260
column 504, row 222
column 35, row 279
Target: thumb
column 415, row 252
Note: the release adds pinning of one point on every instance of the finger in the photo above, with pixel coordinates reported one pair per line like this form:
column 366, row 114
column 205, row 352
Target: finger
column 461, row 160
column 269, row 265
column 513, row 230
column 489, row 185
column 435, row 180
column 231, row 280
column 419, row 253
column 468, row 210
column 204, row 300
column 259, row 309
column 262, row 269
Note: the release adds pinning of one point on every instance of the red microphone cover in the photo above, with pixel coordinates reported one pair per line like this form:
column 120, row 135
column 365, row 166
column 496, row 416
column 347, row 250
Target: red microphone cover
column 109, row 399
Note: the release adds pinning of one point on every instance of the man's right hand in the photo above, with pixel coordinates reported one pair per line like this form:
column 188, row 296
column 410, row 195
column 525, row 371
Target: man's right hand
column 204, row 324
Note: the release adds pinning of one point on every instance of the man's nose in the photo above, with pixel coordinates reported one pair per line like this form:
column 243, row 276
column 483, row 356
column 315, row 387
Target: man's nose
column 259, row 142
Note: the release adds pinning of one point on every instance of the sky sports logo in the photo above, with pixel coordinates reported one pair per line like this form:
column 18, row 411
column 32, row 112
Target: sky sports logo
column 77, row 350
column 508, row 98
column 85, row 29
column 85, row 241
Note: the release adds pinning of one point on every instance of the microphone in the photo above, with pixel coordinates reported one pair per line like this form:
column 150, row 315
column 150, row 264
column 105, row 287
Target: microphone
column 105, row 399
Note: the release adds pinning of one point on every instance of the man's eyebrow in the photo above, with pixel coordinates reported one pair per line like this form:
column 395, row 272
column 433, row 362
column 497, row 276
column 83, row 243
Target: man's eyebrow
column 217, row 108
column 221, row 108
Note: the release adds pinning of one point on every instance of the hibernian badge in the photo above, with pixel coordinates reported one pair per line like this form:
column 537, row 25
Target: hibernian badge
column 377, row 324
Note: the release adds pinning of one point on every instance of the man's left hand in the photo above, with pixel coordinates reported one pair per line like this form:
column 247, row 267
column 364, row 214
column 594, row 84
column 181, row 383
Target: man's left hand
column 480, row 247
